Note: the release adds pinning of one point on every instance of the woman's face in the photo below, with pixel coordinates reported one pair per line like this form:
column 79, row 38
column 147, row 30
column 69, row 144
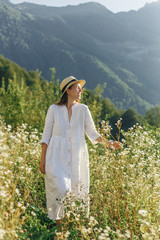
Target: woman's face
column 75, row 91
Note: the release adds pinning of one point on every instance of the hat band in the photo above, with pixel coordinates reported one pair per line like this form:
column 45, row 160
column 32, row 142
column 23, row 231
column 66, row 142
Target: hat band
column 64, row 88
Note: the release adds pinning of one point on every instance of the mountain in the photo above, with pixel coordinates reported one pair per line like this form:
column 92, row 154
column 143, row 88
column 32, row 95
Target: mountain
column 90, row 42
column 10, row 70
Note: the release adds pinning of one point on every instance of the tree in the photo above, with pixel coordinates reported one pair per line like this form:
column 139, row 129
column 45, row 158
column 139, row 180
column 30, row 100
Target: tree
column 130, row 118
column 153, row 116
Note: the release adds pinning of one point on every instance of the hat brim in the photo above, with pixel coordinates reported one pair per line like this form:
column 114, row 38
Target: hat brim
column 81, row 82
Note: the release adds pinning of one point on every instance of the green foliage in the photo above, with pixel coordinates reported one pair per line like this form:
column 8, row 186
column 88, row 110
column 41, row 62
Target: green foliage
column 130, row 118
column 20, row 103
column 10, row 70
column 153, row 116
column 37, row 224
column 25, row 98
column 13, row 102
column 109, row 108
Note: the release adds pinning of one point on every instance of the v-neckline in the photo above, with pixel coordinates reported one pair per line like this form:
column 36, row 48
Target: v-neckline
column 69, row 121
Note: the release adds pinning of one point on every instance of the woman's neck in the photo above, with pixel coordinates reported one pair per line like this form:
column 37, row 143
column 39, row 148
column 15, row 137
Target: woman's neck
column 70, row 103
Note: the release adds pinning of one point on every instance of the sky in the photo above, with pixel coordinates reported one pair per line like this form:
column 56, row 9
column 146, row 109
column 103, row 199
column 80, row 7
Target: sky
column 112, row 5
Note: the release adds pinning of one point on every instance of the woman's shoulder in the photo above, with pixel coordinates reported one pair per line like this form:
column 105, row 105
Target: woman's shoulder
column 56, row 108
column 53, row 107
column 82, row 106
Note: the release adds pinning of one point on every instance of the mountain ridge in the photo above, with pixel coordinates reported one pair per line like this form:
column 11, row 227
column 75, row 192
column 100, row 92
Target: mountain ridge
column 79, row 43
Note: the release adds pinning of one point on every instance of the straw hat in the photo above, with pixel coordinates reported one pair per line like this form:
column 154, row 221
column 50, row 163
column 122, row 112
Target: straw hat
column 69, row 81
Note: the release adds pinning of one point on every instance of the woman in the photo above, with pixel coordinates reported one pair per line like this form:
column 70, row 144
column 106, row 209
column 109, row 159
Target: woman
column 64, row 158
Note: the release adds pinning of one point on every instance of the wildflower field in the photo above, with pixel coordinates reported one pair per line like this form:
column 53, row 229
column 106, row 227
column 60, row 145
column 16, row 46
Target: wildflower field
column 124, row 188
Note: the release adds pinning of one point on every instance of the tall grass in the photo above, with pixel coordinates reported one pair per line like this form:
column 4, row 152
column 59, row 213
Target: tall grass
column 124, row 189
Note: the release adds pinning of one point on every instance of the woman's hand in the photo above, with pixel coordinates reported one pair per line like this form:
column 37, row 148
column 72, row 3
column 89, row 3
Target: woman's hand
column 42, row 165
column 43, row 158
column 116, row 145
column 110, row 144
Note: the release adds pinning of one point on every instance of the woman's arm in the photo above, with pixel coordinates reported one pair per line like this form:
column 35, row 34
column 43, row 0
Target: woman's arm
column 90, row 129
column 49, row 122
column 94, row 136
column 43, row 158
column 46, row 136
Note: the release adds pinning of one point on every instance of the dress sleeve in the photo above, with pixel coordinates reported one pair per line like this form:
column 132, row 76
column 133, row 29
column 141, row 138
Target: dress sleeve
column 90, row 129
column 47, row 132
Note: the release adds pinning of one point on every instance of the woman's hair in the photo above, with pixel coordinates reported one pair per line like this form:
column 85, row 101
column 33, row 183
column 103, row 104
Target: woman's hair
column 64, row 98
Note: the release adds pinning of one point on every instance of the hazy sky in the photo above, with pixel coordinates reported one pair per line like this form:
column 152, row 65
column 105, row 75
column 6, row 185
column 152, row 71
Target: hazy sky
column 113, row 5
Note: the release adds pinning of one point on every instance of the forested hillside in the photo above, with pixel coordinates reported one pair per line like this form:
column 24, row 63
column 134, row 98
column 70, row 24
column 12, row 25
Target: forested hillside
column 90, row 42
column 26, row 96
column 124, row 184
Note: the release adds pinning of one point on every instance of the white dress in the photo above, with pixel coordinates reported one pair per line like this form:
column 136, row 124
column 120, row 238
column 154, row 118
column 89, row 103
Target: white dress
column 67, row 160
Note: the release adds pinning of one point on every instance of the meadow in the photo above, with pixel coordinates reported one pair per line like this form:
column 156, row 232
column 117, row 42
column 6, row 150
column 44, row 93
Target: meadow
column 124, row 188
